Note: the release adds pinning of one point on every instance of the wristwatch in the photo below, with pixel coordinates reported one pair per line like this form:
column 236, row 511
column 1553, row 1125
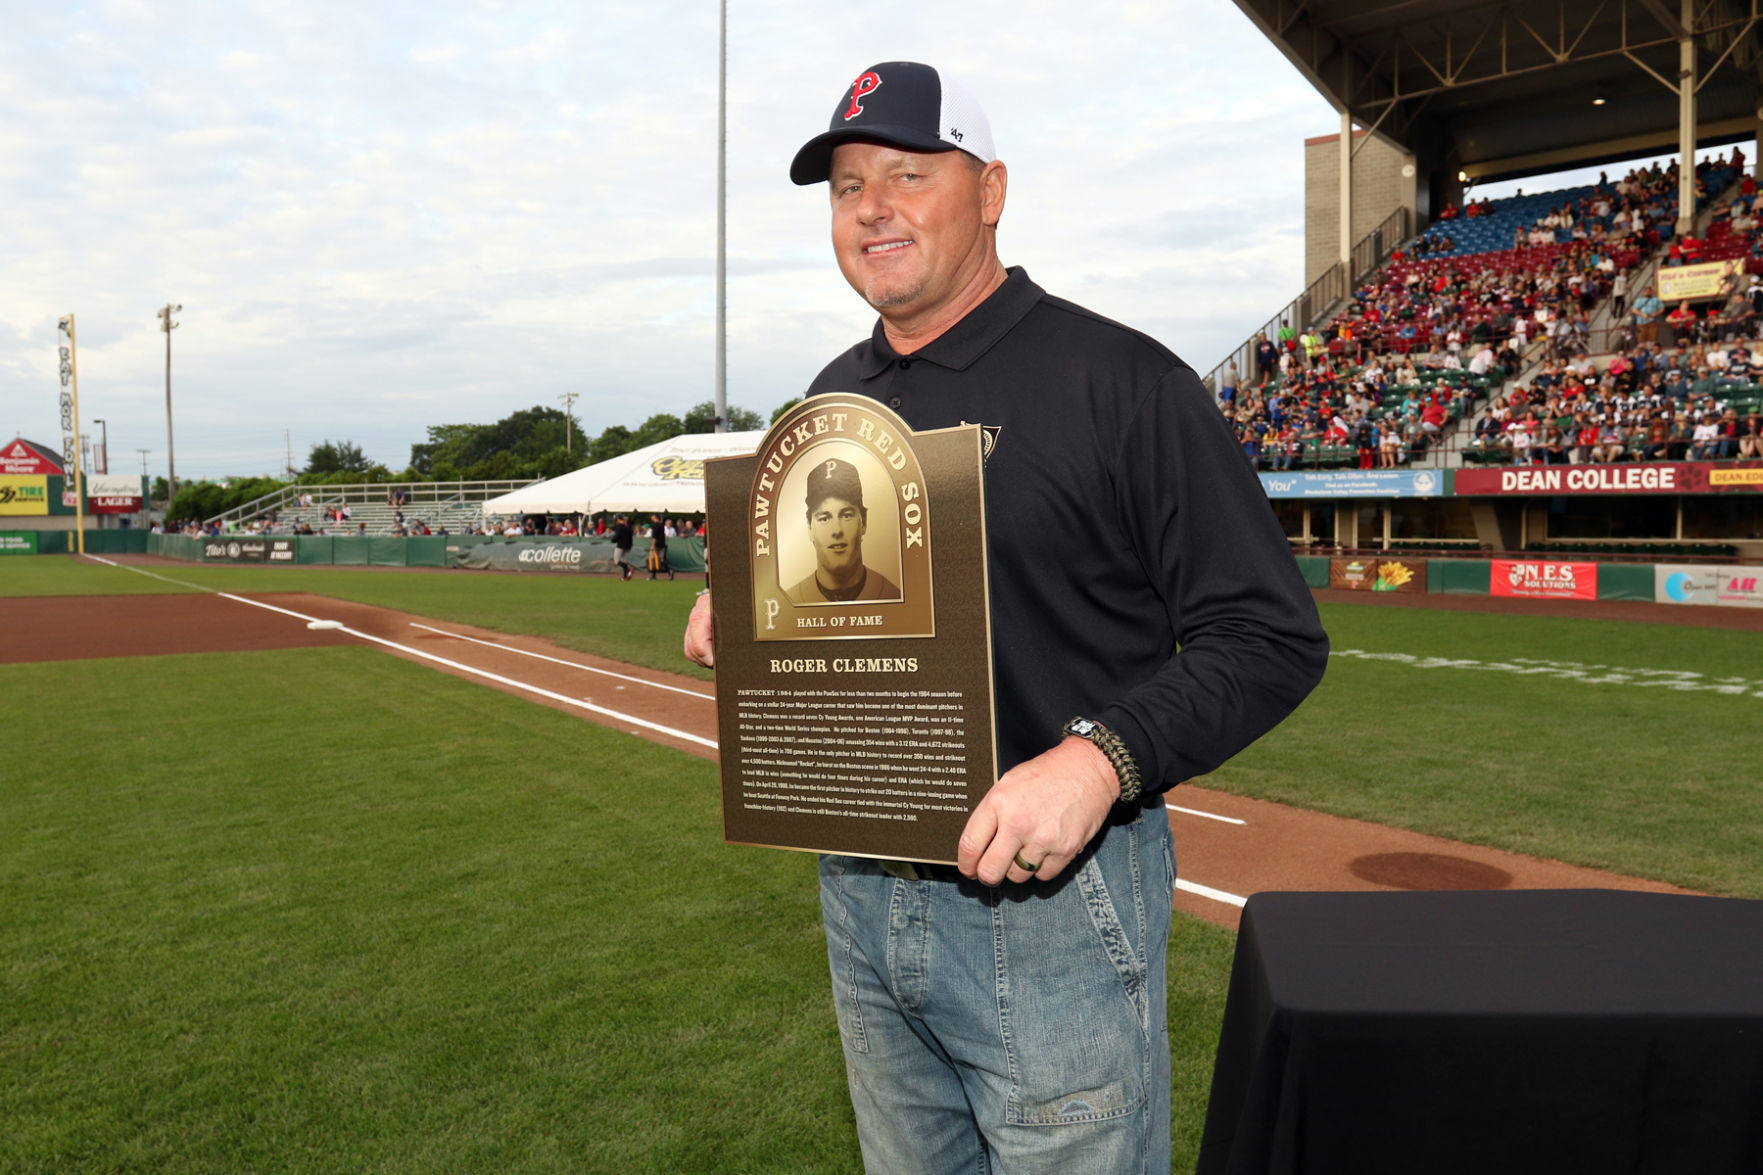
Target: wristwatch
column 1132, row 785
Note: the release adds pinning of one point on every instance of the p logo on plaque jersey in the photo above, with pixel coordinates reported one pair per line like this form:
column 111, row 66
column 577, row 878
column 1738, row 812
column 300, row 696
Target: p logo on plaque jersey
column 838, row 522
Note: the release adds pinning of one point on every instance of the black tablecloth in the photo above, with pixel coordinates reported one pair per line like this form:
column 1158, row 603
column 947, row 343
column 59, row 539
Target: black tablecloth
column 1556, row 1031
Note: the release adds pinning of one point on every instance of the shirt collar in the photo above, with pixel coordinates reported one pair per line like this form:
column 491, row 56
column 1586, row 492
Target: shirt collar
column 959, row 347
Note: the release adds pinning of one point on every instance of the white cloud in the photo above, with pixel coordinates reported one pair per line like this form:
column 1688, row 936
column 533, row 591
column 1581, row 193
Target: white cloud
column 547, row 45
column 367, row 245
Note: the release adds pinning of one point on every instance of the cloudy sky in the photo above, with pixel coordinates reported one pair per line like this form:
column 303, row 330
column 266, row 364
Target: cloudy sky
column 384, row 216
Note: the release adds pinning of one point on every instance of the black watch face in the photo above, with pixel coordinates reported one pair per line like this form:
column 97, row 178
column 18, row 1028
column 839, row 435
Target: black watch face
column 1082, row 727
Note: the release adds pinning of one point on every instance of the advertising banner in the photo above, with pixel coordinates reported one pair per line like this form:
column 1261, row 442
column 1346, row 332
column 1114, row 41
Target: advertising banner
column 1696, row 281
column 1363, row 483
column 1686, row 584
column 1741, row 587
column 1705, row 584
column 1535, row 580
column 24, row 495
column 249, row 550
column 1377, row 575
column 22, row 458
column 539, row 555
column 115, row 494
column 1677, row 477
column 18, row 542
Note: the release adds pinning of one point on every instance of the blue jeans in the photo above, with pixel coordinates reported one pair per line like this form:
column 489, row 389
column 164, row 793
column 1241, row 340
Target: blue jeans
column 1015, row 1030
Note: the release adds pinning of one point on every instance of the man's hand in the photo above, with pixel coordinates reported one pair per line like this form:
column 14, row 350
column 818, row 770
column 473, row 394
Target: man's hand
column 1043, row 811
column 700, row 634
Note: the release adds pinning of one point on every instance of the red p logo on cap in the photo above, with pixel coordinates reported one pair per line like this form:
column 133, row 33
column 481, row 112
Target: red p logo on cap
column 860, row 89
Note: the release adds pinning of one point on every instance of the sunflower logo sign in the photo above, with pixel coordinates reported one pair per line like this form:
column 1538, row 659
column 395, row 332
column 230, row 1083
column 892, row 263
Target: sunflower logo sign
column 1391, row 576
column 1375, row 575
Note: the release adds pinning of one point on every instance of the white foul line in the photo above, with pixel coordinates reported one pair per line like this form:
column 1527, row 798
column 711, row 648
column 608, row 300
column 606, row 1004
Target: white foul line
column 488, row 676
column 1207, row 815
column 560, row 661
column 1204, row 891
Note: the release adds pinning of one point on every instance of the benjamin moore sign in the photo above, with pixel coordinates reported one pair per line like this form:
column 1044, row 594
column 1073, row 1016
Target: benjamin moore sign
column 1364, row 483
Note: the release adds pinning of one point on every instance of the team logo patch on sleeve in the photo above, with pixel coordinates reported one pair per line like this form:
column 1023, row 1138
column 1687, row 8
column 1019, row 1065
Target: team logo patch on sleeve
column 864, row 86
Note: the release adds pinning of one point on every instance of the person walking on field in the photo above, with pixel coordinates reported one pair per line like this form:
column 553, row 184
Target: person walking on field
column 622, row 538
column 1007, row 1014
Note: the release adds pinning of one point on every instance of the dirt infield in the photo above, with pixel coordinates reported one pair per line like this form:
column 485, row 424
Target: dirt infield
column 77, row 628
column 1228, row 846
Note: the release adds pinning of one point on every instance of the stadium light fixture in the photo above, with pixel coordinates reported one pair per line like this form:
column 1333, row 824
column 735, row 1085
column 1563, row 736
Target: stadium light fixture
column 171, row 461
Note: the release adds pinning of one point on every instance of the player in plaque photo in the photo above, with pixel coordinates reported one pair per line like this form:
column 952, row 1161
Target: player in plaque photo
column 1008, row 1013
column 837, row 521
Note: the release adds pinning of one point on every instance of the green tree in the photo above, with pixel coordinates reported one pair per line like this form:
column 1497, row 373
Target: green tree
column 659, row 427
column 198, row 499
column 338, row 457
column 701, row 418
column 783, row 408
column 513, row 447
column 614, row 442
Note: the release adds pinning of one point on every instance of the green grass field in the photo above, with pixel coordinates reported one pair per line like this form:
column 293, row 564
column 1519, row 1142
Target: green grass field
column 326, row 910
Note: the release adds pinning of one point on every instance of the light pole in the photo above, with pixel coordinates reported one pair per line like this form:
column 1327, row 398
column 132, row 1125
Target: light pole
column 722, row 219
column 101, row 462
column 171, row 461
column 569, row 399
column 146, row 492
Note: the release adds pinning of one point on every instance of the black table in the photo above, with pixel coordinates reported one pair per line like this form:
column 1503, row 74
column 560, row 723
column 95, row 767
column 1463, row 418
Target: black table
column 1557, row 1031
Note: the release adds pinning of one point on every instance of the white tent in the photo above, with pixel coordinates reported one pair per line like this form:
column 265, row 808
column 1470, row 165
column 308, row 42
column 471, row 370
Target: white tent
column 665, row 478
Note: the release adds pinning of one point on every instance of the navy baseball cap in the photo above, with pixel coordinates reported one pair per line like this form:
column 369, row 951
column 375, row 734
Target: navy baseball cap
column 834, row 478
column 903, row 103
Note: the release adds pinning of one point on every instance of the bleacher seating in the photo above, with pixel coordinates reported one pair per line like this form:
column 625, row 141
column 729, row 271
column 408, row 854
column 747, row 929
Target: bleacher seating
column 1465, row 296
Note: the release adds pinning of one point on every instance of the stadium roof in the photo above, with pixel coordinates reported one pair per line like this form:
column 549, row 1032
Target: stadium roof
column 1506, row 90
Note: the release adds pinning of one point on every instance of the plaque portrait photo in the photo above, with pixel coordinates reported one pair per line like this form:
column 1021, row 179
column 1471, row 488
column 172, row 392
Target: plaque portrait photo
column 848, row 541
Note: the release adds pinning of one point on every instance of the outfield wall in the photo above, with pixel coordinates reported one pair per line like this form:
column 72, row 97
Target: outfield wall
column 1546, row 579
column 1731, row 585
column 471, row 552
column 63, row 542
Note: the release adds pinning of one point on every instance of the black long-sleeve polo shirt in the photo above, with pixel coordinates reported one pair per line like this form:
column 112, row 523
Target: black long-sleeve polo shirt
column 1137, row 575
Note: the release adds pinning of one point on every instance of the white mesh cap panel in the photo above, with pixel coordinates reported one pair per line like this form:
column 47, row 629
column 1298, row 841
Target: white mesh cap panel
column 963, row 124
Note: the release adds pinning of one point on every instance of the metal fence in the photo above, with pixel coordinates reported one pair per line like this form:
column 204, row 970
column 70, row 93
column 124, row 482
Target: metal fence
column 416, row 494
column 1322, row 295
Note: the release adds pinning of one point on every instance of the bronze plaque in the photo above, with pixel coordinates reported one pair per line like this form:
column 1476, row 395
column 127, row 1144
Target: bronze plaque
column 853, row 652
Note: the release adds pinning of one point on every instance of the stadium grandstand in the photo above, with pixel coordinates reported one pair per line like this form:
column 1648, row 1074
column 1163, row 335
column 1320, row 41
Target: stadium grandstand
column 370, row 508
column 1607, row 322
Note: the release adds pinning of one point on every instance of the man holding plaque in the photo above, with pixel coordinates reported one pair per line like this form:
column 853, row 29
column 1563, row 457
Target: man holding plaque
column 1008, row 1013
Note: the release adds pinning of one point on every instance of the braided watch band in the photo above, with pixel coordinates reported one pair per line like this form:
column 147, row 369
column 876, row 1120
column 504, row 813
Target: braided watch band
column 1132, row 784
